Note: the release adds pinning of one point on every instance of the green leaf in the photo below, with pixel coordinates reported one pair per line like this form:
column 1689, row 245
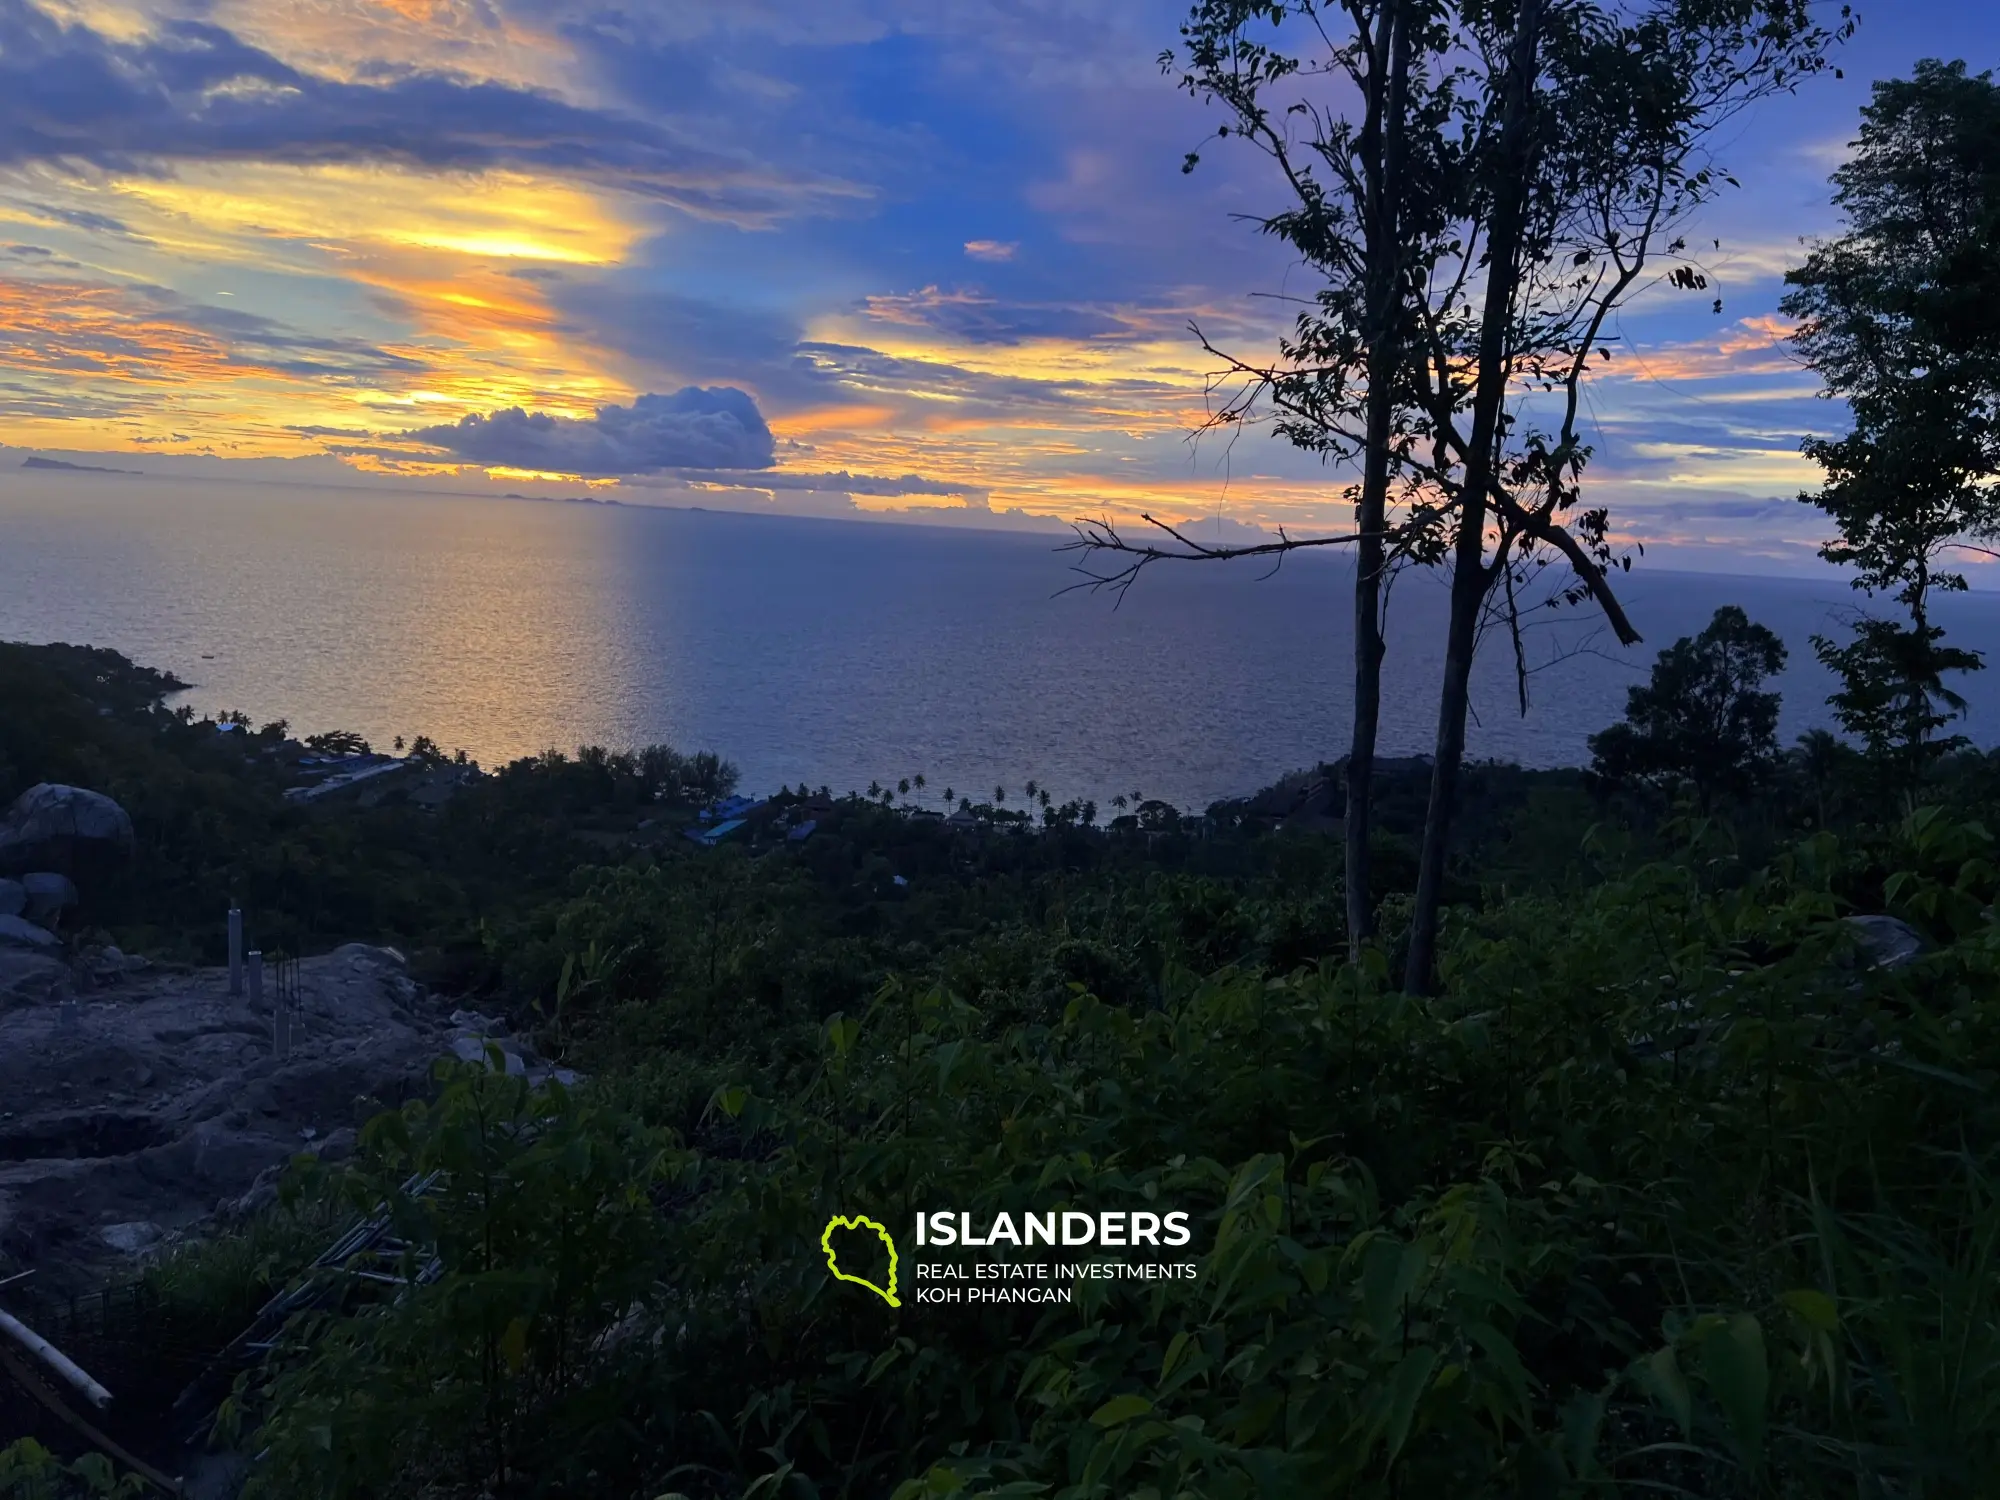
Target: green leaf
column 1406, row 1389
column 1661, row 1375
column 1814, row 1308
column 1120, row 1409
column 1732, row 1357
column 514, row 1345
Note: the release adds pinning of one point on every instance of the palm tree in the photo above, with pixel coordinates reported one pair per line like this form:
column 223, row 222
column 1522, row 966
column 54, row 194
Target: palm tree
column 1031, row 791
column 874, row 790
column 903, row 786
column 1045, row 799
column 999, row 795
column 1119, row 802
column 947, row 796
column 919, row 780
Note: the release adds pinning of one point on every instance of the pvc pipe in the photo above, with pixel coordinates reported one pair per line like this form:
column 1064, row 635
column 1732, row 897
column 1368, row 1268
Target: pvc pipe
column 55, row 1359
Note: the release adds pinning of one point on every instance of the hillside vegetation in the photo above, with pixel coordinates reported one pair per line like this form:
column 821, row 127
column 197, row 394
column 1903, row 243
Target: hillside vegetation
column 1667, row 1188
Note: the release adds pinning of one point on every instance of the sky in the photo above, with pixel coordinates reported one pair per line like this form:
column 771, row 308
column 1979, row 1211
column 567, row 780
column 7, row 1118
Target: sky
column 912, row 259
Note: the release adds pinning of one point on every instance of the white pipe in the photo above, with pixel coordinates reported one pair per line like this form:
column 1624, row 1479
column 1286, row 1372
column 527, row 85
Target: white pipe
column 55, row 1359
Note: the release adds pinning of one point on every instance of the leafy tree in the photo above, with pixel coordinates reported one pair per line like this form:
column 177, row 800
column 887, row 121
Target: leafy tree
column 1512, row 181
column 1901, row 317
column 1819, row 755
column 1893, row 696
column 1702, row 721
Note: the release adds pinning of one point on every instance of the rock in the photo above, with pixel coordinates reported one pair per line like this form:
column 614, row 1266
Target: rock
column 472, row 1049
column 30, row 978
column 49, row 896
column 109, row 964
column 50, row 818
column 1885, row 942
column 13, row 898
column 15, row 933
column 130, row 1239
column 164, row 1106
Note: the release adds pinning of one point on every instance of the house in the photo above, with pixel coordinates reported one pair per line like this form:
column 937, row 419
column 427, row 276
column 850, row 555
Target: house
column 708, row 838
column 359, row 768
column 803, row 832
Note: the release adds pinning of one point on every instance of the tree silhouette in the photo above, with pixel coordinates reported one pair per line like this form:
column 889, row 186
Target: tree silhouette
column 1897, row 316
column 1701, row 722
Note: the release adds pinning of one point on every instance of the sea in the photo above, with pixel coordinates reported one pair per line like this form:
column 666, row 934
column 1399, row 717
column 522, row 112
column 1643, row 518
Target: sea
column 827, row 652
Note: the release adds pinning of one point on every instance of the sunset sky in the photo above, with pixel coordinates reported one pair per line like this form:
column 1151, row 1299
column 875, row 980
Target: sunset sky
column 930, row 257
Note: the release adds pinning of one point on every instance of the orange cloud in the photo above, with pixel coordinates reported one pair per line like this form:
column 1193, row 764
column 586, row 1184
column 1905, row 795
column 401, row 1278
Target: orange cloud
column 1751, row 346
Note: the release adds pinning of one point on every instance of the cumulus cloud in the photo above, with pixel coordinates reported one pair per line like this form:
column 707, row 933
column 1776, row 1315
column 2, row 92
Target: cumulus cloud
column 193, row 91
column 697, row 427
column 992, row 249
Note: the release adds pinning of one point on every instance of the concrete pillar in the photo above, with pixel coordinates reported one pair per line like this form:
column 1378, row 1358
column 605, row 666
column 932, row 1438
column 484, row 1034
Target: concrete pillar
column 235, row 951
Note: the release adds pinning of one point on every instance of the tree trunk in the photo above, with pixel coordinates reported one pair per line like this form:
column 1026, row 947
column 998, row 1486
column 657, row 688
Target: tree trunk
column 1384, row 354
column 1471, row 578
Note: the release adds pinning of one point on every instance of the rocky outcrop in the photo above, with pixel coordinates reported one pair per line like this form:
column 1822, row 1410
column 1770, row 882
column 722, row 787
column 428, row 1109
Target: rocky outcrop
column 136, row 1099
column 18, row 932
column 51, row 825
column 1886, row 942
column 28, row 977
column 46, row 897
column 13, row 898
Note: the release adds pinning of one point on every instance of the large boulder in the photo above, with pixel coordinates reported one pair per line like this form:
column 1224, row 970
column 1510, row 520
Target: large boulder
column 13, row 898
column 52, row 824
column 15, row 933
column 48, row 896
column 1886, row 942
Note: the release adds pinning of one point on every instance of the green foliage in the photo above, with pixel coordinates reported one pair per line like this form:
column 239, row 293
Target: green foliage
column 28, row 1471
column 1893, row 697
column 545, row 1232
column 1897, row 316
column 1660, row 1194
column 1701, row 723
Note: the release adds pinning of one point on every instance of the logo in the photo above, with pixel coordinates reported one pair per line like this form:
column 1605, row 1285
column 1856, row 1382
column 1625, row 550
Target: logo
column 842, row 1221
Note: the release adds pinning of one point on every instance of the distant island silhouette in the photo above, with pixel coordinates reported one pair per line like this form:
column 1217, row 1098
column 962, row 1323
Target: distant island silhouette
column 57, row 463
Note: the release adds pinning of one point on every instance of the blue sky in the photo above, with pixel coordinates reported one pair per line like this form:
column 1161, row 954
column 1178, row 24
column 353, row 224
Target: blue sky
column 944, row 249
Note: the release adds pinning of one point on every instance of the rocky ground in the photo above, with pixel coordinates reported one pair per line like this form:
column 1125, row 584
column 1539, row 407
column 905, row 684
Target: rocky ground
column 140, row 1104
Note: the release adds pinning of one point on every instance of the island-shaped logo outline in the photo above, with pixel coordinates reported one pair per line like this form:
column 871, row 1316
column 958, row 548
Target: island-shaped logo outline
column 859, row 1221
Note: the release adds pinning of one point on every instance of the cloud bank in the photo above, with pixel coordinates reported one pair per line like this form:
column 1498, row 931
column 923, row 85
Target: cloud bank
column 697, row 427
column 193, row 91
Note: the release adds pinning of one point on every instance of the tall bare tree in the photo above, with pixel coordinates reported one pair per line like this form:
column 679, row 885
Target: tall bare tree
column 1551, row 150
column 1368, row 214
